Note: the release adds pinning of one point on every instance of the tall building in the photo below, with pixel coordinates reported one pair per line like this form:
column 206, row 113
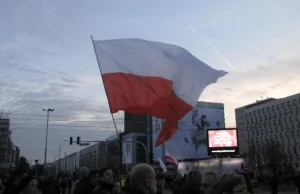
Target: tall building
column 190, row 140
column 7, row 154
column 15, row 154
column 271, row 119
column 60, row 165
column 140, row 127
column 71, row 162
column 113, row 152
column 138, row 123
column 51, row 169
column 94, row 156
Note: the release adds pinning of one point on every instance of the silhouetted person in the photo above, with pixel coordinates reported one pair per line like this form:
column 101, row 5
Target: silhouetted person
column 142, row 180
column 106, row 182
column 70, row 185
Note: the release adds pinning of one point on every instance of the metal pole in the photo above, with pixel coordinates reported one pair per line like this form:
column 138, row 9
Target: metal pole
column 163, row 150
column 109, row 103
column 148, row 139
column 107, row 154
column 162, row 147
column 197, row 159
column 59, row 157
column 45, row 158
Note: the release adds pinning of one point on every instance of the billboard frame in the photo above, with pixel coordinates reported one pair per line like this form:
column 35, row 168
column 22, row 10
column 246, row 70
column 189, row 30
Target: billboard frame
column 223, row 151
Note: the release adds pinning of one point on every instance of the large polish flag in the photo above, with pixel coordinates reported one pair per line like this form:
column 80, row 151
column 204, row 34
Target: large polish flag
column 169, row 158
column 147, row 77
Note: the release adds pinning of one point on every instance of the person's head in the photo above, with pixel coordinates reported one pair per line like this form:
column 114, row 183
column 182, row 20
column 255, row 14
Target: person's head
column 94, row 177
column 193, row 180
column 143, row 176
column 117, row 187
column 229, row 183
column 208, row 179
column 160, row 180
column 83, row 173
column 28, row 185
column 106, row 175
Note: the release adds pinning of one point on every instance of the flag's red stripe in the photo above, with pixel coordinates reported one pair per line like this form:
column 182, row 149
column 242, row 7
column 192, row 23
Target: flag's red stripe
column 142, row 94
column 170, row 159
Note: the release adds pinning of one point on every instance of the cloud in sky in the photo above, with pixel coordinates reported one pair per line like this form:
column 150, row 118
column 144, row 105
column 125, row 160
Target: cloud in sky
column 279, row 78
column 47, row 59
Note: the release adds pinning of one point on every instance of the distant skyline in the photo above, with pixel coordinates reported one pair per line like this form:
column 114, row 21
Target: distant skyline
column 47, row 58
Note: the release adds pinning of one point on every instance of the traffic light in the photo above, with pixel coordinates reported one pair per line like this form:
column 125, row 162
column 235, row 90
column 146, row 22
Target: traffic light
column 78, row 140
column 71, row 140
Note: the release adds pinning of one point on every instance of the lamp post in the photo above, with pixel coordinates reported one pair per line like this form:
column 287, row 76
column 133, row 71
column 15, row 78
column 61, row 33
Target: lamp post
column 59, row 154
column 36, row 168
column 48, row 111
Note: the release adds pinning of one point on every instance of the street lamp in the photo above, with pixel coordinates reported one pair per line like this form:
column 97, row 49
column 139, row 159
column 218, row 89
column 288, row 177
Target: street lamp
column 48, row 111
column 59, row 154
column 36, row 168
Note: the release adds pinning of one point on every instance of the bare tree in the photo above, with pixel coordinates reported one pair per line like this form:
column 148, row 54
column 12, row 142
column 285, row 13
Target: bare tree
column 272, row 156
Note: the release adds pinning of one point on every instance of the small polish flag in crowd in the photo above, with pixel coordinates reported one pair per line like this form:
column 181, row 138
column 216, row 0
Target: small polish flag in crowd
column 169, row 158
column 162, row 165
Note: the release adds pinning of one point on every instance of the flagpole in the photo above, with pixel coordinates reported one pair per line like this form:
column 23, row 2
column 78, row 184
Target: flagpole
column 105, row 89
column 112, row 115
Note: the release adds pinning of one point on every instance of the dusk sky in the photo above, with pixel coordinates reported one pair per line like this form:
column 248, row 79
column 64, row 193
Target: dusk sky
column 47, row 58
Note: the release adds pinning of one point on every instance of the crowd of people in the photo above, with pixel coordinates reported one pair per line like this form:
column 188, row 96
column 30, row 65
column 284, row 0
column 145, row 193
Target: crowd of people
column 142, row 179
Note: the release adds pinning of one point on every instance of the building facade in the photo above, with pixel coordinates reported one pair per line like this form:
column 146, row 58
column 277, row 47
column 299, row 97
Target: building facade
column 71, row 162
column 140, row 128
column 190, row 140
column 137, row 123
column 51, row 169
column 271, row 119
column 113, row 152
column 9, row 153
column 94, row 156
column 60, row 165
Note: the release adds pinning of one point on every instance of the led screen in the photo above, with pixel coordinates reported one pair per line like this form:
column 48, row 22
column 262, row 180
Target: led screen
column 222, row 138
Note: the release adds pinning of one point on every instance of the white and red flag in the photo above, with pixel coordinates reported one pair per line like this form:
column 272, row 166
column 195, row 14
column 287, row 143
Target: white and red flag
column 147, row 77
column 162, row 165
column 169, row 158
